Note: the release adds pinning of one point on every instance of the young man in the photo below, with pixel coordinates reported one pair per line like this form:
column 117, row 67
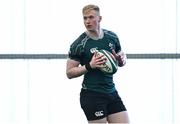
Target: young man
column 99, row 98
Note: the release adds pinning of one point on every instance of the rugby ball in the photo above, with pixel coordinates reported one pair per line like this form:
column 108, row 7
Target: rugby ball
column 110, row 66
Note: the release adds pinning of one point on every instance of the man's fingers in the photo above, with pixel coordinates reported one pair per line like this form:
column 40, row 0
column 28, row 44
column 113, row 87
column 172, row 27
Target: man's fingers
column 114, row 53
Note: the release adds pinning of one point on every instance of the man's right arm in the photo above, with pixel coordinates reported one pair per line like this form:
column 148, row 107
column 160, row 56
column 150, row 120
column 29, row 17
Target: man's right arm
column 73, row 69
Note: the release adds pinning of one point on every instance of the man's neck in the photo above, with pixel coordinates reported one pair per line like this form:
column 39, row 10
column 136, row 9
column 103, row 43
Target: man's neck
column 95, row 34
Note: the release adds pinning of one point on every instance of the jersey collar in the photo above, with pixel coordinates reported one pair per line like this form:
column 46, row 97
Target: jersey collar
column 95, row 38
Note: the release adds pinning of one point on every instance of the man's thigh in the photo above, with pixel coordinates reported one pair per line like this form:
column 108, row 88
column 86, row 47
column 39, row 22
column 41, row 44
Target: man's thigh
column 102, row 121
column 119, row 117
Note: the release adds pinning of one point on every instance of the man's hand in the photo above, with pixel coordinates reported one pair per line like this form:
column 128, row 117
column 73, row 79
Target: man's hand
column 97, row 61
column 120, row 57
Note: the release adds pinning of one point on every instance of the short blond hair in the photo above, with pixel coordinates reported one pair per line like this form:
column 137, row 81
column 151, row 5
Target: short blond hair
column 91, row 7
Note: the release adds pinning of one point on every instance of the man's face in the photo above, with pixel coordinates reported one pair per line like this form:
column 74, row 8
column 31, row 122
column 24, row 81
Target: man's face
column 91, row 20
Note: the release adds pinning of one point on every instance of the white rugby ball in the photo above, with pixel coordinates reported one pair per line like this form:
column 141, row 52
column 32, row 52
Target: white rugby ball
column 110, row 66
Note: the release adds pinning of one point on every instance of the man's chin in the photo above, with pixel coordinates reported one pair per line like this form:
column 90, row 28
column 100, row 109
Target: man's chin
column 90, row 30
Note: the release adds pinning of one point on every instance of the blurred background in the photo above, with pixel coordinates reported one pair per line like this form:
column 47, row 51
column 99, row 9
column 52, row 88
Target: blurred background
column 37, row 91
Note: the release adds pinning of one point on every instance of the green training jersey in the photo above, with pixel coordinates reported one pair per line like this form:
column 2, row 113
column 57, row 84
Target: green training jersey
column 82, row 50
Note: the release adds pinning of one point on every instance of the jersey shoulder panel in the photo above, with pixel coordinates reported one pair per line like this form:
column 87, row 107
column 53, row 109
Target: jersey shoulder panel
column 77, row 47
column 113, row 37
column 110, row 33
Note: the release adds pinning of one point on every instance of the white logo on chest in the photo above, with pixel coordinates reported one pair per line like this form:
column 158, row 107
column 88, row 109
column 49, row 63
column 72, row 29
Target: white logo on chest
column 93, row 50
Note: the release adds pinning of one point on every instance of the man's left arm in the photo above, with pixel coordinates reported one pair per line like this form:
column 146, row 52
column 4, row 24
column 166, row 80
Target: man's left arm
column 120, row 57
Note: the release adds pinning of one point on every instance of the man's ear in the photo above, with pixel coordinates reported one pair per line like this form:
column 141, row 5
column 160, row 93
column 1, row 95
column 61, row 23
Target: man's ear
column 100, row 18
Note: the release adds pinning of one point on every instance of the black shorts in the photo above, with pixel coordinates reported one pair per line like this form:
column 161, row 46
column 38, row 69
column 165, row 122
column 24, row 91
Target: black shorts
column 98, row 105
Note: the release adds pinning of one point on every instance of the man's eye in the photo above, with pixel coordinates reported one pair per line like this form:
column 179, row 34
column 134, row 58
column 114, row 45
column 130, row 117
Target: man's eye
column 91, row 17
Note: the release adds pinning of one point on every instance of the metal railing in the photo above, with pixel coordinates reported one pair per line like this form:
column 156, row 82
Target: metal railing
column 65, row 56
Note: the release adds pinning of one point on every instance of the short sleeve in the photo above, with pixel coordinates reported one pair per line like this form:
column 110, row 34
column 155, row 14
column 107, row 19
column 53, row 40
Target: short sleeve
column 77, row 48
column 75, row 53
column 117, row 45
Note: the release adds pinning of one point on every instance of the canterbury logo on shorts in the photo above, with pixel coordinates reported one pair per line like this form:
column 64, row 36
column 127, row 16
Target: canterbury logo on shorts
column 99, row 113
